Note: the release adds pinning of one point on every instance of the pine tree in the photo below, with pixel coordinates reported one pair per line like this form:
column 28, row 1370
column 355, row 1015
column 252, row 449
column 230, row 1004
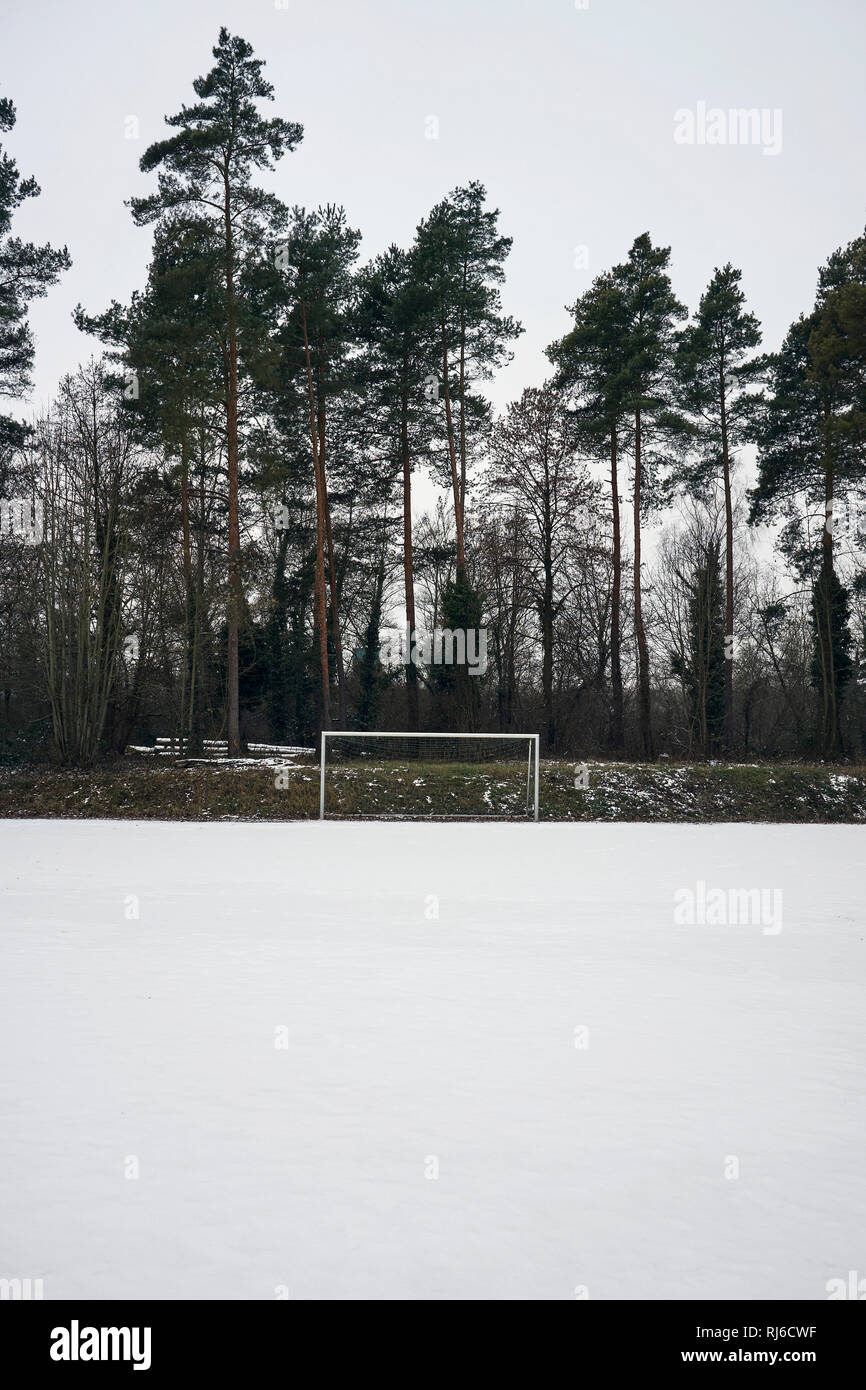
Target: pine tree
column 26, row 273
column 166, row 345
column 652, row 311
column 715, row 369
column 318, row 258
column 398, row 339
column 591, row 362
column 459, row 256
column 207, row 169
column 811, row 435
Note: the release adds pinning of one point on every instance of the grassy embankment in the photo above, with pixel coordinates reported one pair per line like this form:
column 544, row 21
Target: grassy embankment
column 146, row 788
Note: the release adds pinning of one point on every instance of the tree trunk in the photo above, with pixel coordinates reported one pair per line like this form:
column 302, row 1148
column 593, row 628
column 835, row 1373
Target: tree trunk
column 547, row 654
column 617, row 733
column 332, row 568
column 201, row 663
column 321, row 616
column 461, row 380
column 278, row 624
column 452, row 457
column 408, row 567
column 233, row 735
column 334, row 590
column 729, row 567
column 188, row 683
column 703, row 640
column 644, row 698
column 831, row 738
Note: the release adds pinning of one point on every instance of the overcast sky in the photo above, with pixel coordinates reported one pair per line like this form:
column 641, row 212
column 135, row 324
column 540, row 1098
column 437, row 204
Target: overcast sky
column 567, row 114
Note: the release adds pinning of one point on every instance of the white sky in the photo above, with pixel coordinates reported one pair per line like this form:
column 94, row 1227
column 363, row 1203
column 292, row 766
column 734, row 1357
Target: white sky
column 566, row 114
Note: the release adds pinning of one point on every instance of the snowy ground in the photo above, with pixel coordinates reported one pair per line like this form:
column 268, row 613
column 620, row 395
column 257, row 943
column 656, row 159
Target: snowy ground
column 586, row 1073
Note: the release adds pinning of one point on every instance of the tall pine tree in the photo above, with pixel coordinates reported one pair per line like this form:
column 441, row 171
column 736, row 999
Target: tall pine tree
column 399, row 352
column 459, row 256
column 811, row 436
column 208, row 168
column 652, row 311
column 715, row 368
column 591, row 366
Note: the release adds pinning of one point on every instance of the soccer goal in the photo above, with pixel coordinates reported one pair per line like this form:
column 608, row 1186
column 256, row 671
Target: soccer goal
column 399, row 776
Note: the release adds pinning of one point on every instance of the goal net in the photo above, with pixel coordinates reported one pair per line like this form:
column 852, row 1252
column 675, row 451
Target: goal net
column 428, row 776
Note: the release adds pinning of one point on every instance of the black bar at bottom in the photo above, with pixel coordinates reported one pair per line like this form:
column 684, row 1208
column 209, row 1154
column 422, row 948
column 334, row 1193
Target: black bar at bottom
column 153, row 1341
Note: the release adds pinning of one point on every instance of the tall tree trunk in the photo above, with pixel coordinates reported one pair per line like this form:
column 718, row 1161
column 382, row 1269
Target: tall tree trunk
column 617, row 731
column 831, row 739
column 103, row 710
column 321, row 616
column 644, row 699
column 233, row 735
column 332, row 566
column 197, row 705
column 408, row 566
column 703, row 652
column 334, row 590
column 188, row 683
column 547, row 612
column 547, row 654
column 278, row 696
column 462, row 395
column 452, row 458
column 463, row 691
column 729, row 566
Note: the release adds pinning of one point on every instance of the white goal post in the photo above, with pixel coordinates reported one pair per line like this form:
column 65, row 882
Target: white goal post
column 411, row 745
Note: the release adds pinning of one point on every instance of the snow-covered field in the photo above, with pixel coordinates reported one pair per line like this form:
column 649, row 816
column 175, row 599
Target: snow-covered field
column 430, row 1061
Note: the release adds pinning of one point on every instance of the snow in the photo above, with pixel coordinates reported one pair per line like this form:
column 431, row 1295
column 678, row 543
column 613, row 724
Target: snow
column 270, row 754
column 434, row 982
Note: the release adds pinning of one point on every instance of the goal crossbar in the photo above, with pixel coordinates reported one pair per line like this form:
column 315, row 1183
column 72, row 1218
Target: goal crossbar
column 532, row 740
